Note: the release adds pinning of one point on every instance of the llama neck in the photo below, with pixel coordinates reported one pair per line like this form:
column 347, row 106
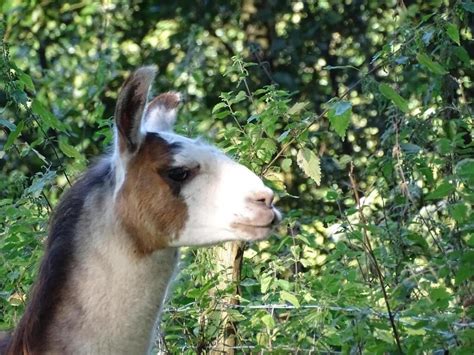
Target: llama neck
column 113, row 297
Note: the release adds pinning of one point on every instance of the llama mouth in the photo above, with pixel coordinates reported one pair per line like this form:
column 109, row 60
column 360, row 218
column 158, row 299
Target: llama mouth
column 255, row 231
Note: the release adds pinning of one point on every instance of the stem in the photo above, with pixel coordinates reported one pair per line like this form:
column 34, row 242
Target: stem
column 375, row 263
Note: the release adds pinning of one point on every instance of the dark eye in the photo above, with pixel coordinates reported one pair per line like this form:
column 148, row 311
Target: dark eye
column 178, row 174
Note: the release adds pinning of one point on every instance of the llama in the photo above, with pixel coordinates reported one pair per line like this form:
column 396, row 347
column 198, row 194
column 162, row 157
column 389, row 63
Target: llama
column 113, row 243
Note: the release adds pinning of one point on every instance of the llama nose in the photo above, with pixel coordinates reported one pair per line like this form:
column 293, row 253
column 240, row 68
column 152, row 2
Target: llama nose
column 263, row 198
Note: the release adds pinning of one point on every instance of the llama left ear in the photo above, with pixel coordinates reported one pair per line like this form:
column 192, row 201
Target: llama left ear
column 161, row 112
column 130, row 107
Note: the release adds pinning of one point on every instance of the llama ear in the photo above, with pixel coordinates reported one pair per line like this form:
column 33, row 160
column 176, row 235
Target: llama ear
column 130, row 107
column 161, row 112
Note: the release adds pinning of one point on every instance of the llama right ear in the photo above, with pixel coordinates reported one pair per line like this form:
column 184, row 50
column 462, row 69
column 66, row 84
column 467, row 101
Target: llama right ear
column 130, row 107
column 161, row 112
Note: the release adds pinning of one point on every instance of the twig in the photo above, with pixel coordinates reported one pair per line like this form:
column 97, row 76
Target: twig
column 371, row 253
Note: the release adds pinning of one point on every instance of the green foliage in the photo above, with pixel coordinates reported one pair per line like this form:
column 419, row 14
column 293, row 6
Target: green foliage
column 398, row 232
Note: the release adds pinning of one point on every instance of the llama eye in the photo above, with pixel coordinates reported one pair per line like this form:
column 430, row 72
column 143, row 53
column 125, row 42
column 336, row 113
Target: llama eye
column 178, row 174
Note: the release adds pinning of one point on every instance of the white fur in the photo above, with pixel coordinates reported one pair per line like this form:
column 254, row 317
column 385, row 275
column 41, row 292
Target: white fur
column 117, row 296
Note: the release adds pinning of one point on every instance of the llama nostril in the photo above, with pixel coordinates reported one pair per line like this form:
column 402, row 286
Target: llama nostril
column 263, row 198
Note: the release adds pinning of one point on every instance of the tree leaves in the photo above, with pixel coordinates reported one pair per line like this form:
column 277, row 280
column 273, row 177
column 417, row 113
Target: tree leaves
column 430, row 64
column 393, row 96
column 339, row 116
column 310, row 164
column 68, row 149
column 453, row 32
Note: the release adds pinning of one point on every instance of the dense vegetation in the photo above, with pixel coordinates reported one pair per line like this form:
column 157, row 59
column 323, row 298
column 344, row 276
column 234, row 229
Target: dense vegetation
column 357, row 113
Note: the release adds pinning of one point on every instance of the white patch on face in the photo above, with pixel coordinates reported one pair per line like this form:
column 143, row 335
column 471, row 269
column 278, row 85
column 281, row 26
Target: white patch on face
column 222, row 198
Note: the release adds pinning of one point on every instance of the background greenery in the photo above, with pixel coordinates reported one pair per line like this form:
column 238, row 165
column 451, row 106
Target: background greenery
column 358, row 113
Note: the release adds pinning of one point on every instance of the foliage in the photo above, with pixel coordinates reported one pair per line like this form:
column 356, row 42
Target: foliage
column 356, row 113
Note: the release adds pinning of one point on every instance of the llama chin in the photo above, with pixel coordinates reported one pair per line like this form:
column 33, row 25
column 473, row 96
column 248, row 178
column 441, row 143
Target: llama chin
column 113, row 243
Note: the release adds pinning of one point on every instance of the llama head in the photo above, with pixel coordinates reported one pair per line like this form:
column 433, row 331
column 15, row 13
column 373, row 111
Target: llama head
column 176, row 191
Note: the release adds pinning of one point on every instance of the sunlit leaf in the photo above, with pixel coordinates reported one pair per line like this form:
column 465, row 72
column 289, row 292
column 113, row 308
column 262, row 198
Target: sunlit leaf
column 431, row 65
column 68, row 149
column 392, row 95
column 453, row 32
column 288, row 297
column 297, row 107
column 310, row 164
column 340, row 116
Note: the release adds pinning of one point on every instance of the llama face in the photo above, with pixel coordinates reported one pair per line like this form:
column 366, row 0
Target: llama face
column 176, row 191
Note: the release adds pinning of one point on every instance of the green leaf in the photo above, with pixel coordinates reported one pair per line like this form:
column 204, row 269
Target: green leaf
column 310, row 164
column 340, row 123
column 465, row 171
column 268, row 320
column 217, row 107
column 51, row 120
column 462, row 54
column 459, row 212
column 288, row 297
column 26, row 80
column 68, row 149
column 341, row 107
column 392, row 95
column 14, row 135
column 39, row 183
column 298, row 107
column 453, row 32
column 441, row 191
column 432, row 66
column 265, row 283
column 286, row 165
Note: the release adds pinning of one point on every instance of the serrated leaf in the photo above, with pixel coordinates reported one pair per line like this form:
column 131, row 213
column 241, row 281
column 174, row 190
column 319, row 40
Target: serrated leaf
column 340, row 123
column 431, row 65
column 26, row 80
column 40, row 181
column 341, row 107
column 68, row 149
column 441, row 191
column 288, row 297
column 387, row 91
column 465, row 170
column 286, row 165
column 453, row 32
column 462, row 54
column 14, row 135
column 310, row 164
column 268, row 320
column 298, row 107
column 217, row 107
column 38, row 108
column 265, row 283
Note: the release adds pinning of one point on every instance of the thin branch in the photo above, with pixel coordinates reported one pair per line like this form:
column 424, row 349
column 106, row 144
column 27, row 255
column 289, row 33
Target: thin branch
column 371, row 253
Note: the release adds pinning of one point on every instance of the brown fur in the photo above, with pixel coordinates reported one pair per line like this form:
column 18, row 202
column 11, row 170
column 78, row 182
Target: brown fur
column 130, row 107
column 169, row 100
column 30, row 336
column 148, row 201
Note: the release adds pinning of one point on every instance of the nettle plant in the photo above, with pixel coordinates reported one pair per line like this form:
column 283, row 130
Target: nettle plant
column 373, row 257
column 388, row 265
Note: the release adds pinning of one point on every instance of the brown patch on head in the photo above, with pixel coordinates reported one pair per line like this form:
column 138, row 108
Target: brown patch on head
column 168, row 100
column 149, row 206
